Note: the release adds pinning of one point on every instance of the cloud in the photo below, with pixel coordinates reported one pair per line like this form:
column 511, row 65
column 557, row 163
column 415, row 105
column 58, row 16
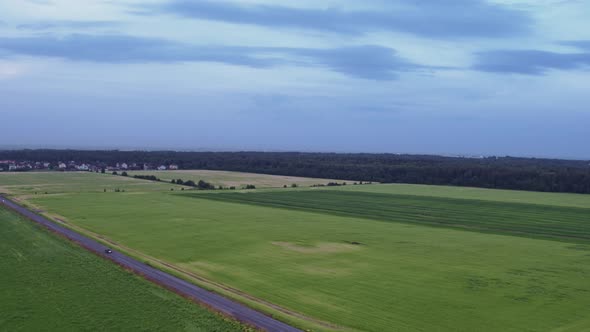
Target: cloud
column 581, row 44
column 369, row 61
column 529, row 62
column 430, row 18
column 47, row 25
column 366, row 61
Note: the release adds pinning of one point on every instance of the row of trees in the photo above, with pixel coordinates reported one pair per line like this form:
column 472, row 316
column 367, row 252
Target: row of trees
column 203, row 185
column 552, row 175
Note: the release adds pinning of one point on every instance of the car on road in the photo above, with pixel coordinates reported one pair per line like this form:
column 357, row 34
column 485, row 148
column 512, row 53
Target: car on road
column 108, row 251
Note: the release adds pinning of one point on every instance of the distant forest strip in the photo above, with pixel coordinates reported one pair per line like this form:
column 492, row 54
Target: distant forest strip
column 549, row 175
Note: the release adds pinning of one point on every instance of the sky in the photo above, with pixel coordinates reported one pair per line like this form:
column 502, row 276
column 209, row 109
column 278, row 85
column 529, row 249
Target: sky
column 452, row 77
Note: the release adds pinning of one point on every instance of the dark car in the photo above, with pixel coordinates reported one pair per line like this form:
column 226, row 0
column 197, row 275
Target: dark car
column 108, row 251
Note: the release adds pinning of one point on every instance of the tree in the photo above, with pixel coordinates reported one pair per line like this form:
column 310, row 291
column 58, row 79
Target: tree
column 115, row 173
column 173, row 181
column 294, row 185
column 124, row 174
column 190, row 183
column 204, row 185
column 103, row 170
column 179, row 181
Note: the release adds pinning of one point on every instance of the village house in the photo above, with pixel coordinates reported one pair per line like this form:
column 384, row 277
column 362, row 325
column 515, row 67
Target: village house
column 173, row 167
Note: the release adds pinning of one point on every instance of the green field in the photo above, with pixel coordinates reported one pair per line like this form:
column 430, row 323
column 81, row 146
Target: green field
column 346, row 260
column 235, row 179
column 565, row 223
column 510, row 196
column 49, row 284
column 62, row 182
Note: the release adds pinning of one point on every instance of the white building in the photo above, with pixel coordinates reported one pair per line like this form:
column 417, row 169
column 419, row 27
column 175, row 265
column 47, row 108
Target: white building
column 62, row 166
column 173, row 167
column 162, row 168
column 124, row 166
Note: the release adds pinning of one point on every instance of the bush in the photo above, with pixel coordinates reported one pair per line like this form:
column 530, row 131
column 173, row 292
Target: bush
column 203, row 185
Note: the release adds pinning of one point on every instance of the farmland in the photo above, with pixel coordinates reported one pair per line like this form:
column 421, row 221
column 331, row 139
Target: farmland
column 52, row 285
column 235, row 179
column 61, row 182
column 341, row 256
column 509, row 218
column 497, row 195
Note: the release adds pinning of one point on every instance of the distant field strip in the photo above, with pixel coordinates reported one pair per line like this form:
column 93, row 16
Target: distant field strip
column 71, row 182
column 511, row 218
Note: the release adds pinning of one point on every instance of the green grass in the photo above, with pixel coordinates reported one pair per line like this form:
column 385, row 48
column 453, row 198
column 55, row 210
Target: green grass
column 510, row 218
column 49, row 284
column 237, row 179
column 510, row 196
column 68, row 182
column 403, row 276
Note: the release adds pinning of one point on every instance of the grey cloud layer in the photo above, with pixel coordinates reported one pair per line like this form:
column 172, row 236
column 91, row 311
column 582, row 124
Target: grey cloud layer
column 427, row 18
column 530, row 62
column 368, row 61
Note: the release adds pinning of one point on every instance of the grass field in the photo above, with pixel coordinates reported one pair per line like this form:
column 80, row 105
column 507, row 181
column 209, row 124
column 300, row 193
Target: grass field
column 61, row 182
column 566, row 223
column 49, row 284
column 498, row 195
column 341, row 263
column 237, row 179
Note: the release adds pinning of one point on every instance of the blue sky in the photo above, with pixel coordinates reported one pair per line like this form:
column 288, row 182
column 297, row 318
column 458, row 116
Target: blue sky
column 463, row 77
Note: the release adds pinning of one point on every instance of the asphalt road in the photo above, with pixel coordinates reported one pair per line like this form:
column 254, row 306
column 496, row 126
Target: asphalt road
column 217, row 302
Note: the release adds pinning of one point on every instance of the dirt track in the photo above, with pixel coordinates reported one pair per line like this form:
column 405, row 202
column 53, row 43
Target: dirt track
column 184, row 288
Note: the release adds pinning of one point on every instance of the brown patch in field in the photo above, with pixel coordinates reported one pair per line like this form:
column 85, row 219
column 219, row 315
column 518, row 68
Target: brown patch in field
column 327, row 271
column 320, row 248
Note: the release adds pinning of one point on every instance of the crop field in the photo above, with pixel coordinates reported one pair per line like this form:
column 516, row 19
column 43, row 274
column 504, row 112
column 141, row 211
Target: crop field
column 61, row 182
column 49, row 284
column 498, row 195
column 236, row 179
column 508, row 218
column 341, row 257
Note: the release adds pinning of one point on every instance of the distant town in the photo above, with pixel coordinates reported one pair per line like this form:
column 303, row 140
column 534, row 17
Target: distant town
column 73, row 166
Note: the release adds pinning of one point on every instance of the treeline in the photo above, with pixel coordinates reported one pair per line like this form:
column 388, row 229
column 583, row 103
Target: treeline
column 551, row 175
column 202, row 185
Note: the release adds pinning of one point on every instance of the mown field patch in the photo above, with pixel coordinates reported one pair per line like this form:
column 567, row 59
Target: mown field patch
column 237, row 179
